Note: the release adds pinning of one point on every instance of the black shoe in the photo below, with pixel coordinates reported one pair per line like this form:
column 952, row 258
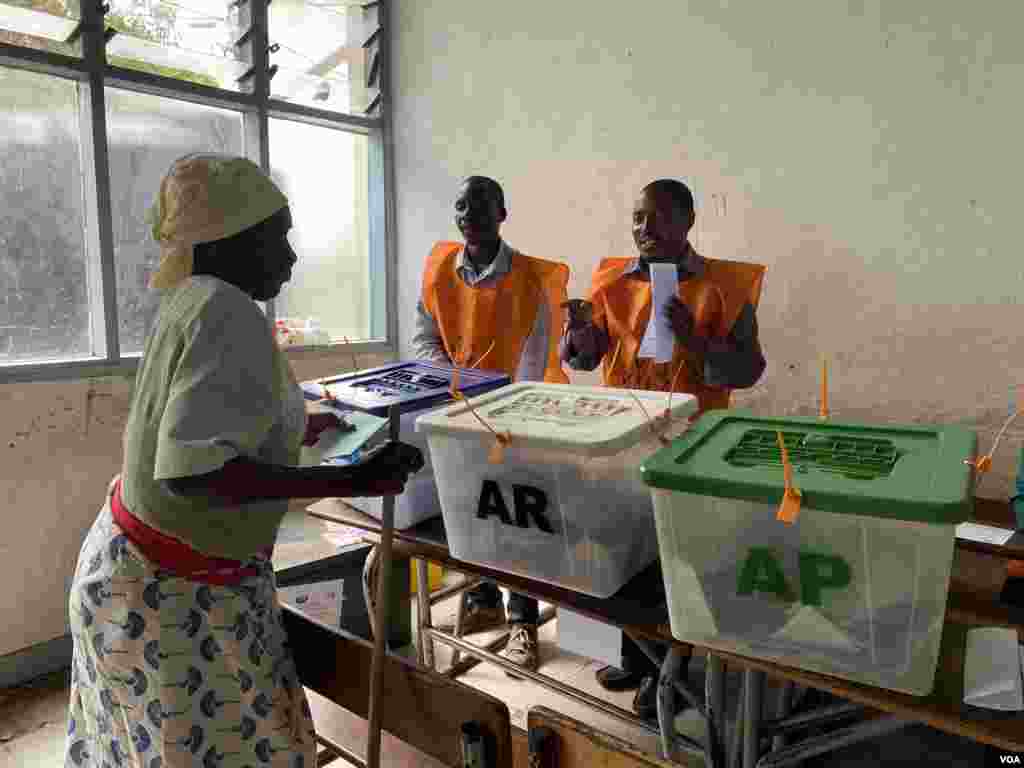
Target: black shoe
column 615, row 679
column 645, row 703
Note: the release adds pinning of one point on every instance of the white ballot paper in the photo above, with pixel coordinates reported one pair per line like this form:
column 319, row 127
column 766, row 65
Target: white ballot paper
column 992, row 669
column 986, row 534
column 659, row 341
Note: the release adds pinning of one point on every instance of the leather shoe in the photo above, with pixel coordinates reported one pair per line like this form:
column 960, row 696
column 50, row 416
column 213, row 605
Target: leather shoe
column 645, row 703
column 522, row 648
column 616, row 679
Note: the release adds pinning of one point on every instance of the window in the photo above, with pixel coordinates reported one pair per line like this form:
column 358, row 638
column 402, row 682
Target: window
column 44, row 25
column 192, row 40
column 324, row 174
column 146, row 134
column 44, row 304
column 99, row 100
column 326, row 54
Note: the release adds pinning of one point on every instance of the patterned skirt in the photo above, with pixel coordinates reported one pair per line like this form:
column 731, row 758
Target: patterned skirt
column 169, row 673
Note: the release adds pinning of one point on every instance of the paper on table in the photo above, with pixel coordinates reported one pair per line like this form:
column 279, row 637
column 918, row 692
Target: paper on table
column 986, row 534
column 320, row 600
column 659, row 341
column 992, row 669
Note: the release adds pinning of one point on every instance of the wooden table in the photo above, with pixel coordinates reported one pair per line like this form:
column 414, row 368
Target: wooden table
column 640, row 610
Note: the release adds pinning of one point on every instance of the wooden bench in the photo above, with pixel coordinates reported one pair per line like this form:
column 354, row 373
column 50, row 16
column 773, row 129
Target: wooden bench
column 557, row 741
column 421, row 708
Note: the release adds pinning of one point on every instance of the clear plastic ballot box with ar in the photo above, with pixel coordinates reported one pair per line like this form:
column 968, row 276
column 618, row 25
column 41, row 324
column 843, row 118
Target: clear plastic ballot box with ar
column 561, row 500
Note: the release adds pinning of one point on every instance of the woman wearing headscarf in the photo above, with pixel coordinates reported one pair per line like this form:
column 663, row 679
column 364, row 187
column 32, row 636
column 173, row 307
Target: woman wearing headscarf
column 180, row 654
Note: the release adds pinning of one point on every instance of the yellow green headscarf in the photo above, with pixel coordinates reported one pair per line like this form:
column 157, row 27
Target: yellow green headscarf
column 207, row 197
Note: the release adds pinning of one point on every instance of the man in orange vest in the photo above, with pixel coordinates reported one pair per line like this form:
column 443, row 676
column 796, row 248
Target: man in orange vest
column 714, row 323
column 485, row 305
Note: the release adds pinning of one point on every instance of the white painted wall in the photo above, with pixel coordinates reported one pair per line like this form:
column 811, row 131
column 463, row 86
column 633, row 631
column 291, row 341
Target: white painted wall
column 56, row 467
column 864, row 150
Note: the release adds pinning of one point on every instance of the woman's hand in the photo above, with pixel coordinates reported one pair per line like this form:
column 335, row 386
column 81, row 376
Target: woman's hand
column 385, row 470
column 316, row 423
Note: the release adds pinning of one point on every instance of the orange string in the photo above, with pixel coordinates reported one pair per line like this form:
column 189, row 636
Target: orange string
column 666, row 416
column 823, row 405
column 984, row 463
column 650, row 421
column 671, row 391
column 484, row 355
column 355, row 360
column 615, row 357
column 497, row 452
column 789, row 507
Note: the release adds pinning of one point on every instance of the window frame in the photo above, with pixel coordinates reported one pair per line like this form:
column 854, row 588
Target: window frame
column 256, row 106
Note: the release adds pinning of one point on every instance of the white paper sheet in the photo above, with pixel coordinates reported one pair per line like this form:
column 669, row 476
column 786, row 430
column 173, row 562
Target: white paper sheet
column 984, row 533
column 659, row 341
column 321, row 600
column 992, row 669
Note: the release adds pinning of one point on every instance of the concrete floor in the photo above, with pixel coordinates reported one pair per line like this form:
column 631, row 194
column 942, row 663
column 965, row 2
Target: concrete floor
column 33, row 716
column 33, row 720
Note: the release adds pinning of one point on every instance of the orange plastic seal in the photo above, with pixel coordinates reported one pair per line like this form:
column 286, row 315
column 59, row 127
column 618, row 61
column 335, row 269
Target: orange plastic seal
column 789, row 507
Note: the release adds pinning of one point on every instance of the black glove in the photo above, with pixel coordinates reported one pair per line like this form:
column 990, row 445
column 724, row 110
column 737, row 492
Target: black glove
column 384, row 470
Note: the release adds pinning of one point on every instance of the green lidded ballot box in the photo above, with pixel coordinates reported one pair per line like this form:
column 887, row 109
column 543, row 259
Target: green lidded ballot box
column 855, row 587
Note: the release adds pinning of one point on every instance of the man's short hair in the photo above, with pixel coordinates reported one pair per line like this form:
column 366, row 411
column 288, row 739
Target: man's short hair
column 674, row 190
column 493, row 188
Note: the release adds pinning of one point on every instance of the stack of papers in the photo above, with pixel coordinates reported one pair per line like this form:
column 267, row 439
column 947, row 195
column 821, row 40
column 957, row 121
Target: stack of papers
column 992, row 669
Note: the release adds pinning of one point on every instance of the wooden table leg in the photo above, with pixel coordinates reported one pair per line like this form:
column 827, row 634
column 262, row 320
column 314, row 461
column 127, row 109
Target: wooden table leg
column 666, row 701
column 753, row 699
column 424, row 622
column 381, row 614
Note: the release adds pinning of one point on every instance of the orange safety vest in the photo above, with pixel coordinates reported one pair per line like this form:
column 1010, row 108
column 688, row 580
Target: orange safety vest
column 471, row 318
column 622, row 307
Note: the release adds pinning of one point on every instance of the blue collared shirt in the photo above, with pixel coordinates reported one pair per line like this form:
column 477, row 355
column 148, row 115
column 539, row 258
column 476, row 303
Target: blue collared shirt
column 427, row 343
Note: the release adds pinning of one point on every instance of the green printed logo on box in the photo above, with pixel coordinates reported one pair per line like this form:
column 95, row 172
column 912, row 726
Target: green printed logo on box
column 761, row 572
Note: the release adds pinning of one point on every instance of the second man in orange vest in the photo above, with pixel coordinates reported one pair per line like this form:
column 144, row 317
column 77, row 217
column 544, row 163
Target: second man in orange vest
column 716, row 347
column 485, row 305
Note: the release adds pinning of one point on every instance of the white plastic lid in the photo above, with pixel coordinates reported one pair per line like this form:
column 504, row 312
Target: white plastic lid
column 595, row 421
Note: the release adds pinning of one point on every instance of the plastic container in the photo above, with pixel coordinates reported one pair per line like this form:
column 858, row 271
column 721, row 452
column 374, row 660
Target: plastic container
column 414, row 387
column 566, row 505
column 856, row 587
column 291, row 332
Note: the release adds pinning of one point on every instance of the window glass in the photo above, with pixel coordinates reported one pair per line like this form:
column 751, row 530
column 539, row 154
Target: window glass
column 323, row 171
column 192, row 40
column 44, row 299
column 321, row 52
column 44, row 25
column 146, row 134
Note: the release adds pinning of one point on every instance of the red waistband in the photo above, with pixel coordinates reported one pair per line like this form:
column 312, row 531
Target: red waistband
column 176, row 556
